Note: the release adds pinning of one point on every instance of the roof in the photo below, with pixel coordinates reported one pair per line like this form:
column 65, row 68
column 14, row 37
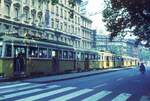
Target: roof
column 45, row 42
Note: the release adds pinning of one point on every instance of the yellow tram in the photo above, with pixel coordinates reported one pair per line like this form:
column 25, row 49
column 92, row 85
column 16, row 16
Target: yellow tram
column 38, row 57
column 20, row 56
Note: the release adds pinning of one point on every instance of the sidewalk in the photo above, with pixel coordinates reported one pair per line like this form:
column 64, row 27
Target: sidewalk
column 71, row 76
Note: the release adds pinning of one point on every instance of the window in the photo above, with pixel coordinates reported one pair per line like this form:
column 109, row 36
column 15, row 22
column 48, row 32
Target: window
column 57, row 10
column 69, row 28
column 57, row 24
column 40, row 19
column 8, row 10
column 61, row 11
column 8, row 51
column 71, row 55
column 17, row 13
column 61, row 26
column 60, row 54
column 65, row 27
column 53, row 53
column 65, row 54
column 33, row 18
column 65, row 14
column 107, row 58
column 33, row 52
column 75, row 19
column 26, row 15
column 33, row 2
column 43, row 53
column 82, row 56
column 72, row 29
column 49, row 53
column 40, row 3
column 52, row 23
column 76, row 30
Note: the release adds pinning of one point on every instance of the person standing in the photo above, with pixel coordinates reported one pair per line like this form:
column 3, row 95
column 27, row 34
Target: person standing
column 22, row 63
column 142, row 68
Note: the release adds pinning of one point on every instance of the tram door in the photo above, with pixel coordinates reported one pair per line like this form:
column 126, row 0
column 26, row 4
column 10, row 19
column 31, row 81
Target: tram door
column 19, row 60
column 55, row 61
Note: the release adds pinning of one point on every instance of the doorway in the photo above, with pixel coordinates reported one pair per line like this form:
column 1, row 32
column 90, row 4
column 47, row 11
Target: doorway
column 55, row 61
column 19, row 60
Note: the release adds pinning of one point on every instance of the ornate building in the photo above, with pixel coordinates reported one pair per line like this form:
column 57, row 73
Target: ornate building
column 41, row 18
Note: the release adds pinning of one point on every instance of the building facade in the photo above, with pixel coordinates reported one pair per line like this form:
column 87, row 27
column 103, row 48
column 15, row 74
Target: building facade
column 40, row 18
column 119, row 47
column 83, row 7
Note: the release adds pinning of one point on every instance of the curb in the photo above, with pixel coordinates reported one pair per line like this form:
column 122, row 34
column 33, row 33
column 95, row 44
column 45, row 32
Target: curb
column 25, row 79
column 69, row 78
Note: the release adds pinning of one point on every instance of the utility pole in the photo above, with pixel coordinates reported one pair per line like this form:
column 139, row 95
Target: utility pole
column 106, row 44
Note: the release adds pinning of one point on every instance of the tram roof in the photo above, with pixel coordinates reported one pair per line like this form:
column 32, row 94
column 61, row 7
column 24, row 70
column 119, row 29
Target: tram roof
column 32, row 42
column 86, row 50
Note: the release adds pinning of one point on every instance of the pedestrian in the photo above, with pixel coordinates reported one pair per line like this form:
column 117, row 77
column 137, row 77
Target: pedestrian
column 22, row 63
column 86, row 64
column 17, row 63
column 142, row 68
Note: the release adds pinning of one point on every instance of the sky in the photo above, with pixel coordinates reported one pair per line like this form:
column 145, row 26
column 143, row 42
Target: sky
column 96, row 6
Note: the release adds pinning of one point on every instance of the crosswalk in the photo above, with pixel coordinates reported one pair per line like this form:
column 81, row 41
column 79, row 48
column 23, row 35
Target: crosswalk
column 33, row 92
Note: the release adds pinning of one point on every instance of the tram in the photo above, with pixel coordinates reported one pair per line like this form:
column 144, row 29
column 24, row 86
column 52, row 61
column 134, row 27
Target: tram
column 21, row 56
column 31, row 57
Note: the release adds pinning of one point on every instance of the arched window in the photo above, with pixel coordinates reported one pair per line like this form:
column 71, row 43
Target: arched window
column 7, row 10
column 17, row 13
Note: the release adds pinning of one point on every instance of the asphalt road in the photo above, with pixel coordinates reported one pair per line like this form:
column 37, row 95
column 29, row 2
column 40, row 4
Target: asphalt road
column 124, row 85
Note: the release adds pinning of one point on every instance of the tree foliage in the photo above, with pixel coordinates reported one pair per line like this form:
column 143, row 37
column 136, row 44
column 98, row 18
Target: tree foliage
column 124, row 16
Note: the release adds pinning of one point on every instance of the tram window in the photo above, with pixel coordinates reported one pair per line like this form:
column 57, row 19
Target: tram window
column 94, row 57
column 102, row 57
column 86, row 55
column 78, row 56
column 91, row 57
column 0, row 51
column 53, row 53
column 82, row 56
column 8, row 51
column 107, row 58
column 65, row 54
column 43, row 52
column 33, row 52
column 70, row 55
column 60, row 54
column 99, row 57
column 49, row 53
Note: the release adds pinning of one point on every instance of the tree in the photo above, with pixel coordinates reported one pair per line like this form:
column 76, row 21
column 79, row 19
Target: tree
column 128, row 16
